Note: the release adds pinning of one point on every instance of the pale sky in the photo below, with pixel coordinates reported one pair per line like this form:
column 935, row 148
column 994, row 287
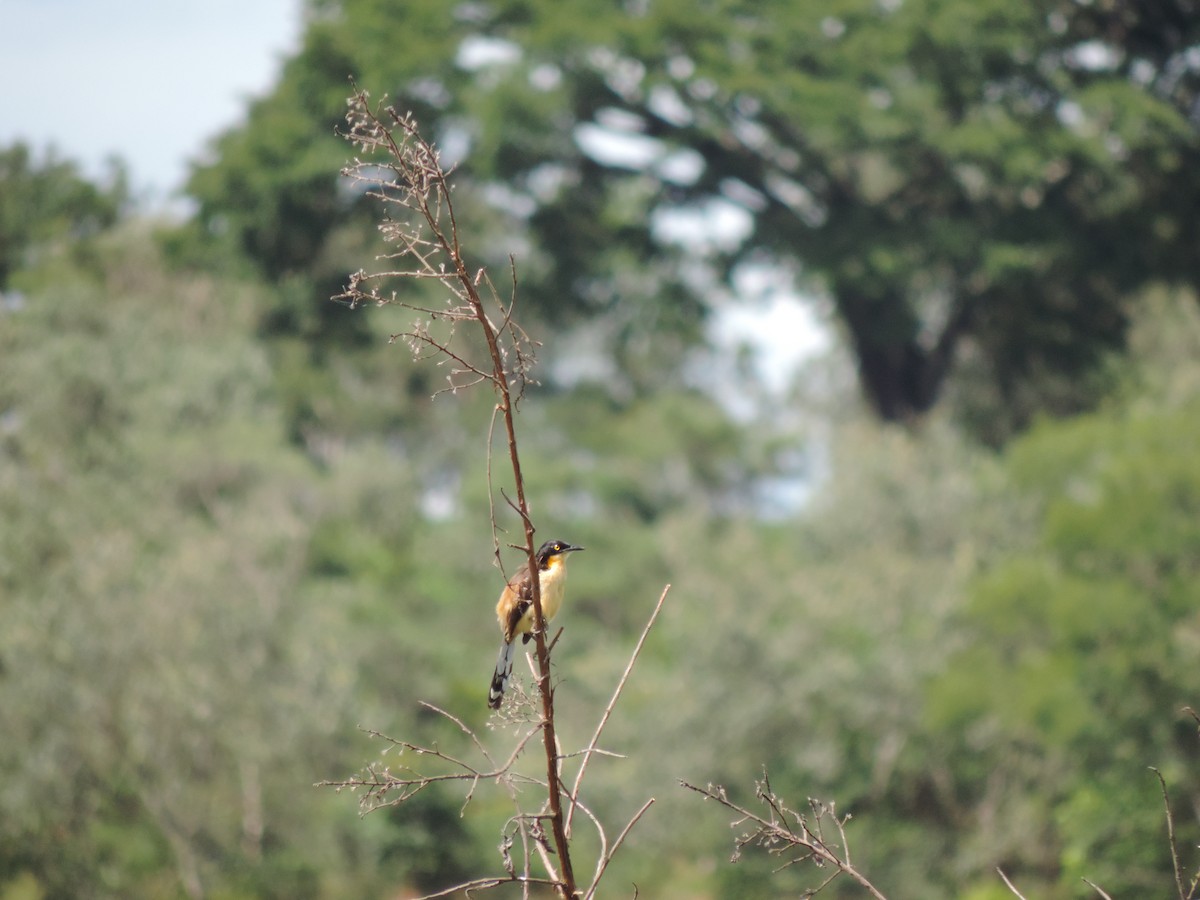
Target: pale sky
column 150, row 81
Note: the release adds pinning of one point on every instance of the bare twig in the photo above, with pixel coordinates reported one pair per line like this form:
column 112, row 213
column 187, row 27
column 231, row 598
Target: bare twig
column 491, row 437
column 1012, row 887
column 607, row 857
column 1171, row 837
column 483, row 884
column 1170, row 832
column 591, row 748
column 381, row 787
column 777, row 835
column 425, row 236
column 412, row 178
column 465, row 730
column 1095, row 887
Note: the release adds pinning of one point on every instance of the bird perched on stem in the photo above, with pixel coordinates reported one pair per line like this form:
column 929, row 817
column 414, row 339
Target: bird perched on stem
column 514, row 609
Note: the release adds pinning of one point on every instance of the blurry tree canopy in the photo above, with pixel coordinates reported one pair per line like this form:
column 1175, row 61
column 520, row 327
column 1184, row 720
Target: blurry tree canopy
column 47, row 199
column 976, row 186
column 194, row 615
column 977, row 654
column 1078, row 660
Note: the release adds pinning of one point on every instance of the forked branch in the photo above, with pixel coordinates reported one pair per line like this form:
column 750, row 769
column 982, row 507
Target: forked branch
column 399, row 168
column 410, row 178
column 787, row 832
column 381, row 785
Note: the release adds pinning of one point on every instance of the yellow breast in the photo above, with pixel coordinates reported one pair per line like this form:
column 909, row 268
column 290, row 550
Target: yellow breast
column 553, row 582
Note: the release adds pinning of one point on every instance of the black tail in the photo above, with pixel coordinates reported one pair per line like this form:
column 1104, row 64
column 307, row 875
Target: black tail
column 500, row 677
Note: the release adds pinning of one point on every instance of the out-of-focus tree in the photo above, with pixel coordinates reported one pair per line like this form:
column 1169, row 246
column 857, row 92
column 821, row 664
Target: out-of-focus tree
column 178, row 665
column 273, row 188
column 216, row 613
column 834, row 650
column 47, row 199
column 1082, row 652
column 974, row 185
column 802, row 647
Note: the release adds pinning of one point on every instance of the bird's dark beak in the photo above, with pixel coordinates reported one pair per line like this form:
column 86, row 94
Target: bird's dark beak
column 570, row 547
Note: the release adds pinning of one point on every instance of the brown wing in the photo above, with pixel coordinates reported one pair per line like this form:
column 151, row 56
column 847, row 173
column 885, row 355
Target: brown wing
column 515, row 601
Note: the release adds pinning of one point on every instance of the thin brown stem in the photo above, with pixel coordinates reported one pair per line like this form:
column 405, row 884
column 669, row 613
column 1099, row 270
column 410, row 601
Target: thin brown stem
column 776, row 834
column 483, row 884
column 1171, row 835
column 591, row 748
column 465, row 730
column 383, row 788
column 414, row 179
column 1012, row 887
column 607, row 857
column 500, row 379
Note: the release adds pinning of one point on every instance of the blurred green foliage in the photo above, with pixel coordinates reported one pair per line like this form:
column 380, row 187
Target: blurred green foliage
column 238, row 525
column 175, row 672
column 1071, row 643
column 47, row 200
column 977, row 656
column 976, row 187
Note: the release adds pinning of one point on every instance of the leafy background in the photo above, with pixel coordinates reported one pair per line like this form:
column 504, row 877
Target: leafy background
column 945, row 576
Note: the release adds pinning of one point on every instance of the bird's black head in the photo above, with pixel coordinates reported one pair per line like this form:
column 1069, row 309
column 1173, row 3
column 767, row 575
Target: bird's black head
column 551, row 549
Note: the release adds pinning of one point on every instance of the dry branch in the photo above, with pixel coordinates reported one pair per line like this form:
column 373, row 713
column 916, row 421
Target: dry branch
column 413, row 180
column 401, row 170
column 786, row 830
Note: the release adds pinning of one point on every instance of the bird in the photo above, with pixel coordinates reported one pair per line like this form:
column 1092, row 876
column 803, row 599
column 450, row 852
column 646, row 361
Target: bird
column 514, row 609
